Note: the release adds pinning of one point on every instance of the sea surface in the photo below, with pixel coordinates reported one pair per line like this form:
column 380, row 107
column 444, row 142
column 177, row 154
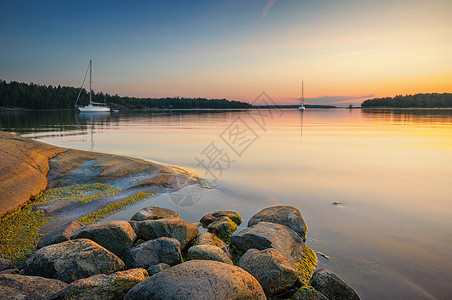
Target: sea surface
column 374, row 186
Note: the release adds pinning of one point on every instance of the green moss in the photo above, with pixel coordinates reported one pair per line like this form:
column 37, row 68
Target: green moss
column 83, row 193
column 236, row 254
column 307, row 292
column 307, row 265
column 19, row 231
column 112, row 208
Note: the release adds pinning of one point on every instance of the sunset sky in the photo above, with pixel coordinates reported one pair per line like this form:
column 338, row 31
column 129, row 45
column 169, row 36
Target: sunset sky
column 345, row 51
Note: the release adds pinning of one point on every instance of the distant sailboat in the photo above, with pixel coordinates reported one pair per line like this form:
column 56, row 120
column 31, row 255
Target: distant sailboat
column 92, row 106
column 302, row 108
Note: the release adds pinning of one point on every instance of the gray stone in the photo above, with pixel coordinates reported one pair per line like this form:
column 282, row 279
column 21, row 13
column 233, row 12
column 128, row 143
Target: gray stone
column 72, row 260
column 208, row 252
column 234, row 216
column 199, row 279
column 175, row 228
column 332, row 286
column 284, row 215
column 275, row 273
column 102, row 287
column 13, row 286
column 154, row 213
column 60, row 234
column 4, row 264
column 10, row 271
column 207, row 238
column 222, row 227
column 115, row 236
column 271, row 235
column 161, row 250
column 307, row 292
column 152, row 270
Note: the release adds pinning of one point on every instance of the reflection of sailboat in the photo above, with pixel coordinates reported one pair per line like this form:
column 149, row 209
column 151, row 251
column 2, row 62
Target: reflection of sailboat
column 301, row 126
column 302, row 108
column 92, row 106
column 91, row 120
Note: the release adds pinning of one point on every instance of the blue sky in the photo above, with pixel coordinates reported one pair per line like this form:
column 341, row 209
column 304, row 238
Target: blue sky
column 343, row 50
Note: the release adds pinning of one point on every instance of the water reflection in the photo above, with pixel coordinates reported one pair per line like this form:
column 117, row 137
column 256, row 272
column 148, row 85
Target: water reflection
column 86, row 121
column 390, row 168
column 410, row 116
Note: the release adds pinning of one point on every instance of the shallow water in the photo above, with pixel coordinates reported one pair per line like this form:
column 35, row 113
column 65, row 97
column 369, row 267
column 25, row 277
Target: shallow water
column 389, row 170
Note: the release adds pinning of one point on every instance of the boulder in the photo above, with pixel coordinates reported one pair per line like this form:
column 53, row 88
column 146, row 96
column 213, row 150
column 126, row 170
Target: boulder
column 234, row 216
column 222, row 227
column 161, row 250
column 10, row 271
column 102, row 287
column 307, row 292
column 275, row 273
column 72, row 260
column 207, row 238
column 284, row 215
column 4, row 264
column 208, row 252
column 115, row 236
column 199, row 279
column 60, row 234
column 271, row 235
column 207, row 219
column 175, row 228
column 154, row 269
column 332, row 286
column 13, row 286
column 154, row 213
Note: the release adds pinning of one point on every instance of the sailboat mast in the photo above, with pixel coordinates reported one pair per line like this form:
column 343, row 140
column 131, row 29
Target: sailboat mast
column 90, row 73
column 302, row 93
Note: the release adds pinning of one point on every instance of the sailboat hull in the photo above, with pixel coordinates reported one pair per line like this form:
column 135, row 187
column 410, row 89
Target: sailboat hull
column 93, row 108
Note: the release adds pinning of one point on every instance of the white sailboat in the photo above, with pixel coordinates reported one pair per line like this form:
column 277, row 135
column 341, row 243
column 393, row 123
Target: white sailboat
column 92, row 106
column 302, row 108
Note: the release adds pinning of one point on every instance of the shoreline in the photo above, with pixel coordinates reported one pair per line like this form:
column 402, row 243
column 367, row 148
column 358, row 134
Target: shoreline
column 44, row 187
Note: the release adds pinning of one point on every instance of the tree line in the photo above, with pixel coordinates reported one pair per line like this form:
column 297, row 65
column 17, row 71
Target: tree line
column 419, row 100
column 35, row 96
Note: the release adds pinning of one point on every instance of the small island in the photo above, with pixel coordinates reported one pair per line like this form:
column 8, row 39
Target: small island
column 431, row 100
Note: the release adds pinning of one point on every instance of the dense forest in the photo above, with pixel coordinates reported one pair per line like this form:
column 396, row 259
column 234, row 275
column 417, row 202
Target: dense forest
column 35, row 96
column 418, row 100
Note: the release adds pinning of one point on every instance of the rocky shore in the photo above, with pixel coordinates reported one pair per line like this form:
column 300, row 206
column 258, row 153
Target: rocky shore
column 28, row 167
column 157, row 255
column 54, row 244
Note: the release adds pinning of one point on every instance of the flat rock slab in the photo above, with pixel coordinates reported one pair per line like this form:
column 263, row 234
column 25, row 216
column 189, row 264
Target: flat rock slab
column 13, row 286
column 28, row 167
column 24, row 164
column 72, row 260
column 103, row 287
column 199, row 279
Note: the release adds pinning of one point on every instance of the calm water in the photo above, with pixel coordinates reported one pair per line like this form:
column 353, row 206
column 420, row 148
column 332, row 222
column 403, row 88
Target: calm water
column 391, row 234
